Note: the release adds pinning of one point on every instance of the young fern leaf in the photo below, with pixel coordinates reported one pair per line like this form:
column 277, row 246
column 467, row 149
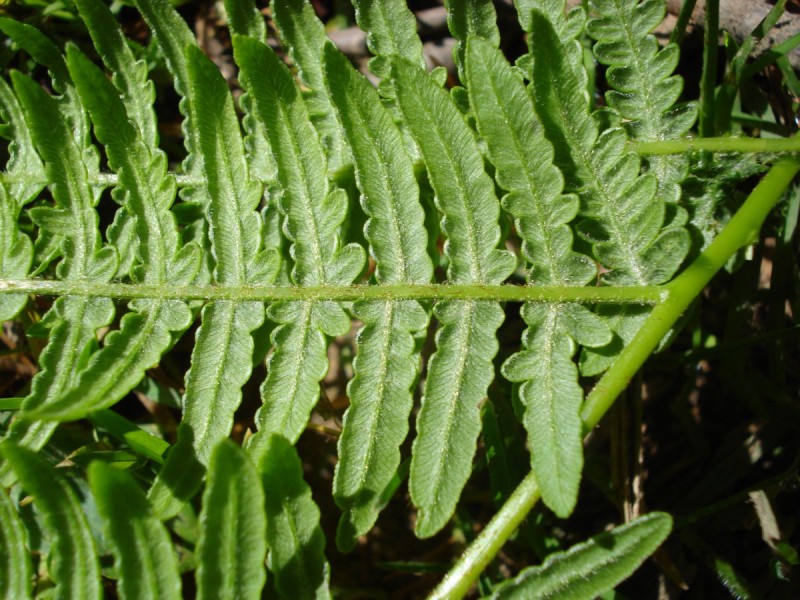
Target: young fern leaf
column 144, row 558
column 522, row 157
column 644, row 89
column 461, row 369
column 233, row 545
column 245, row 19
column 72, row 321
column 622, row 215
column 73, row 559
column 128, row 74
column 173, row 36
column 304, row 36
column 385, row 367
column 471, row 18
column 222, row 356
column 391, row 31
column 295, row 540
column 313, row 213
column 43, row 51
column 592, row 568
column 147, row 192
column 15, row 562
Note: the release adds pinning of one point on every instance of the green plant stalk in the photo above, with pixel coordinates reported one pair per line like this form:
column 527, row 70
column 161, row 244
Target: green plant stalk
column 266, row 293
column 742, row 230
column 718, row 144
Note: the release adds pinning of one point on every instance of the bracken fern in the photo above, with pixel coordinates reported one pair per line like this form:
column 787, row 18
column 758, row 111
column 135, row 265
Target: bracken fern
column 259, row 225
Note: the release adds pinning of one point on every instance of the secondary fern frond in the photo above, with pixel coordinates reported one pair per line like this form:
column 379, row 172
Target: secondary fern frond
column 385, row 367
column 245, row 19
column 470, row 18
column 128, row 74
column 574, row 574
column 173, row 36
column 147, row 191
column 73, row 221
column 295, row 539
column 45, row 52
column 391, row 31
column 222, row 357
column 645, row 91
column 461, row 369
column 16, row 254
column 15, row 564
column 304, row 36
column 523, row 158
column 24, row 172
column 313, row 213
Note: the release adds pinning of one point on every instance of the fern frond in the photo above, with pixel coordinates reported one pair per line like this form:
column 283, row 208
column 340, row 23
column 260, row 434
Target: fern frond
column 174, row 36
column 523, row 159
column 144, row 558
column 461, row 368
column 645, row 91
column 73, row 558
column 621, row 214
column 591, row 568
column 73, row 220
column 15, row 563
column 45, row 52
column 568, row 24
column 222, row 356
column 385, row 367
column 295, row 540
column 304, row 36
column 16, row 254
column 522, row 156
column 233, row 545
column 471, row 18
column 128, row 74
column 313, row 213
column 245, row 19
column 147, row 191
column 24, row 172
column 391, row 31
column 627, row 218
column 24, row 176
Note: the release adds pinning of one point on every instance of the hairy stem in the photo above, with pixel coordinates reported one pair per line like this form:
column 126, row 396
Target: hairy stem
column 266, row 293
column 740, row 231
column 718, row 144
